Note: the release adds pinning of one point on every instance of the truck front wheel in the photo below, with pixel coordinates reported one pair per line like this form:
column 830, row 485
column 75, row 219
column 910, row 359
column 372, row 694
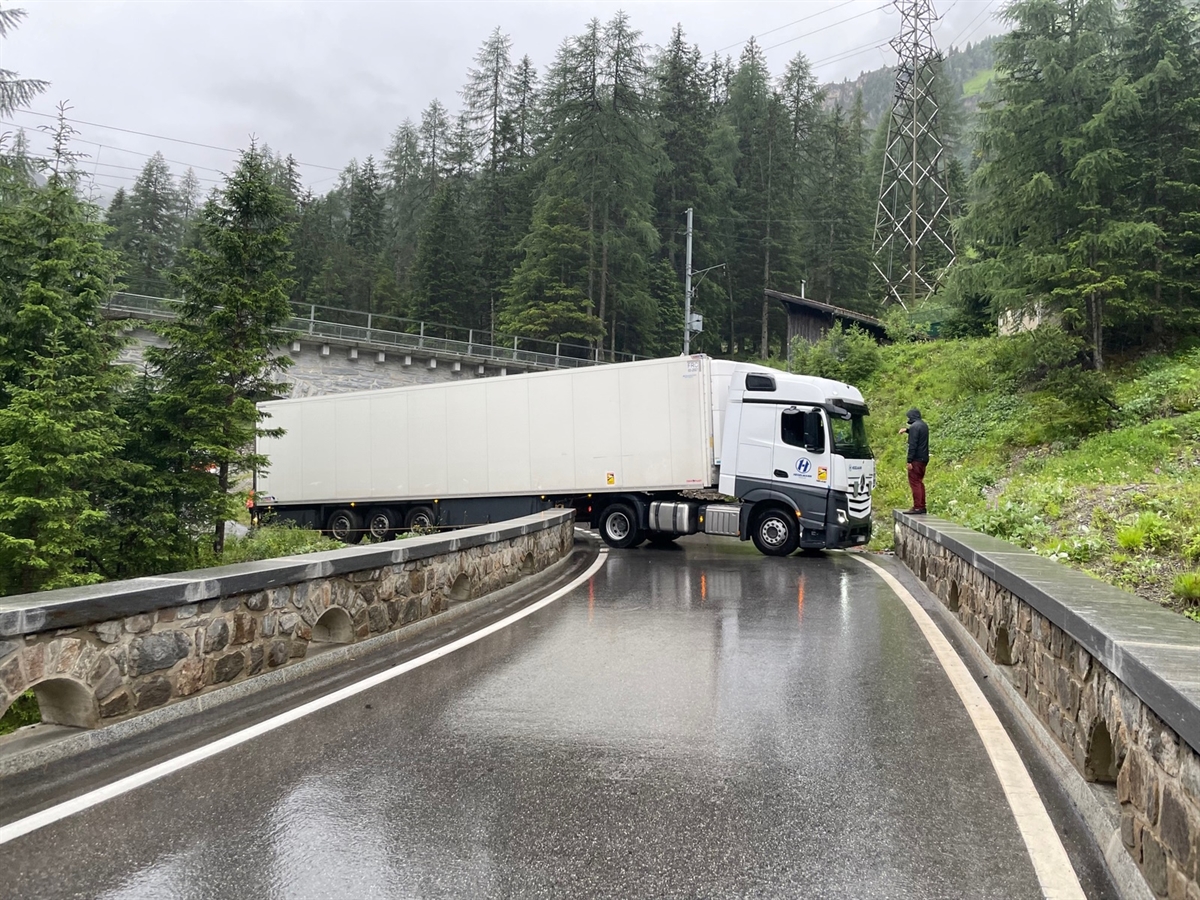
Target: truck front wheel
column 619, row 526
column 343, row 525
column 775, row 532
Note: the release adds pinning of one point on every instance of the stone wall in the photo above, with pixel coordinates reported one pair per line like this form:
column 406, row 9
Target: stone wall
column 1115, row 680
column 102, row 653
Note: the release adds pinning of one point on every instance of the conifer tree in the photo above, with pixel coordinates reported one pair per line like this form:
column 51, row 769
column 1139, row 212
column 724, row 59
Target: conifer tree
column 444, row 269
column 547, row 295
column 1159, row 138
column 15, row 91
column 154, row 227
column 221, row 356
column 1050, row 225
column 57, row 428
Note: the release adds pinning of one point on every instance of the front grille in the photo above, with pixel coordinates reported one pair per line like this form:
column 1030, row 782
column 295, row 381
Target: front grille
column 859, row 505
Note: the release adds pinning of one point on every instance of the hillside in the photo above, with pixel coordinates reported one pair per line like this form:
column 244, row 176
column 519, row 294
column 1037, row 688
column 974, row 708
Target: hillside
column 968, row 70
column 1109, row 487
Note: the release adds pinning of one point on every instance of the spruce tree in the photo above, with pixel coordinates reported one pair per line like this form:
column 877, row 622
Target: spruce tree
column 444, row 269
column 221, row 357
column 1050, row 225
column 15, row 91
column 154, row 228
column 547, row 295
column 1159, row 137
column 57, row 378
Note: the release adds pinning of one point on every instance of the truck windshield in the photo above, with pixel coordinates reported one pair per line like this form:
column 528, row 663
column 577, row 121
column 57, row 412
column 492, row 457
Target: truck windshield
column 850, row 436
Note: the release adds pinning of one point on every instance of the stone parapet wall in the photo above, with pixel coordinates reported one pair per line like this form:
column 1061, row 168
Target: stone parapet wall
column 103, row 653
column 1114, row 679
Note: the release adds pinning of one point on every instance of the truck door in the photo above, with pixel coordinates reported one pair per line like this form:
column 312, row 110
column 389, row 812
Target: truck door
column 801, row 461
column 759, row 424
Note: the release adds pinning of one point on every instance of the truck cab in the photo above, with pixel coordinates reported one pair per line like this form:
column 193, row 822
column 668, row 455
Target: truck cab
column 795, row 452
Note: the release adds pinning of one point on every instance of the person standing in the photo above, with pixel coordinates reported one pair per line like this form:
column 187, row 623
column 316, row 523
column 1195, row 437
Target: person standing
column 918, row 458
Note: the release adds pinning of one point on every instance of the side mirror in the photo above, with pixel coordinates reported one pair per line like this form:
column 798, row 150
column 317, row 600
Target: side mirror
column 814, row 432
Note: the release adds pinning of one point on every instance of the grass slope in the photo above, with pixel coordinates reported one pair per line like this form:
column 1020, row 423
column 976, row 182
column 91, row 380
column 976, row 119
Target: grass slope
column 1123, row 503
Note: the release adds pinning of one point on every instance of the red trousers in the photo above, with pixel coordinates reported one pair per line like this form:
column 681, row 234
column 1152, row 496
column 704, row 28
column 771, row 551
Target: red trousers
column 916, row 481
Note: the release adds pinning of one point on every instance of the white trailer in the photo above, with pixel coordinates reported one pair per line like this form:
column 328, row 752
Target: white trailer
column 630, row 446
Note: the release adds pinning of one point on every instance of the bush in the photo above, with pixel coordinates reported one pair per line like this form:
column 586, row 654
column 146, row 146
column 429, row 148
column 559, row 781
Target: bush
column 849, row 355
column 1011, row 521
column 1187, row 587
column 1167, row 389
column 1191, row 548
column 1130, row 538
column 23, row 711
column 269, row 542
column 1074, row 399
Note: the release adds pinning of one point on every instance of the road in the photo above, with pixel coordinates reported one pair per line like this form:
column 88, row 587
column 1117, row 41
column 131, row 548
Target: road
column 693, row 722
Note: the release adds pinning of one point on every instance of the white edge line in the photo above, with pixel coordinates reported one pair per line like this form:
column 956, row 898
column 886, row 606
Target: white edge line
column 1051, row 864
column 98, row 795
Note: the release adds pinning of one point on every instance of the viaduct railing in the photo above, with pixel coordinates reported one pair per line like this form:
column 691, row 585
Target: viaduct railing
column 382, row 332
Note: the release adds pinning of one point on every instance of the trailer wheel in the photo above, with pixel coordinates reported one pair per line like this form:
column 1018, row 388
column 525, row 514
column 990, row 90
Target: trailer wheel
column 420, row 517
column 775, row 532
column 343, row 525
column 380, row 524
column 619, row 526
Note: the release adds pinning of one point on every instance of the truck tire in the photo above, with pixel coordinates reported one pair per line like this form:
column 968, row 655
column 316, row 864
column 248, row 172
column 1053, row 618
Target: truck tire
column 420, row 517
column 343, row 525
column 381, row 524
column 775, row 532
column 619, row 526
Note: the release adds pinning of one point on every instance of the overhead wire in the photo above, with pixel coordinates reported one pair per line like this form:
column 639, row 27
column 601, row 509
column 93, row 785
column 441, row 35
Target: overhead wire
column 781, row 27
column 76, row 139
column 159, row 137
column 978, row 16
column 798, row 37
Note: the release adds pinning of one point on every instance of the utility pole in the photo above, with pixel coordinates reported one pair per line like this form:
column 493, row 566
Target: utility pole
column 687, row 290
column 693, row 323
column 913, row 247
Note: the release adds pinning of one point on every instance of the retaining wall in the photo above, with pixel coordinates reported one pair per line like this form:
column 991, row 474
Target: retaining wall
column 1115, row 679
column 102, row 653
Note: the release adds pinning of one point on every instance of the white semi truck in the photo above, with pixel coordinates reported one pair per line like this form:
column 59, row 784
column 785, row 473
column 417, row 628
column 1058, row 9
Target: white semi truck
column 646, row 450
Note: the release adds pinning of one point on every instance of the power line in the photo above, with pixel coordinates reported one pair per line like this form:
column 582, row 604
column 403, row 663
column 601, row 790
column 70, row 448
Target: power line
column 781, row 27
column 978, row 16
column 827, row 27
column 76, row 139
column 106, row 165
column 160, row 137
column 848, row 54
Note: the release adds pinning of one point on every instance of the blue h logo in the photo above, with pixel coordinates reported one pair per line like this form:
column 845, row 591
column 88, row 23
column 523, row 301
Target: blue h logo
column 803, row 466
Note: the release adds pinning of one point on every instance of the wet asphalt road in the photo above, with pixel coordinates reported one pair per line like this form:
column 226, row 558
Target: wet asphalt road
column 698, row 722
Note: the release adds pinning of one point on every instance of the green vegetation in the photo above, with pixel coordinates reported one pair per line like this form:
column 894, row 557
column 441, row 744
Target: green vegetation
column 1102, row 475
column 1187, row 587
column 23, row 711
column 269, row 542
column 978, row 83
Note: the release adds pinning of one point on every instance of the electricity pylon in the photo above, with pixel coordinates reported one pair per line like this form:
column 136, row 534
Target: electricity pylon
column 913, row 246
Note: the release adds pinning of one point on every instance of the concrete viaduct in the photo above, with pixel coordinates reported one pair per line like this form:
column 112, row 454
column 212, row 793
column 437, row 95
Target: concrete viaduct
column 337, row 351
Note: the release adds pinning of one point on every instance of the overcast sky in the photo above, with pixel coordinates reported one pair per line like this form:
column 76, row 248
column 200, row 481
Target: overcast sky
column 331, row 81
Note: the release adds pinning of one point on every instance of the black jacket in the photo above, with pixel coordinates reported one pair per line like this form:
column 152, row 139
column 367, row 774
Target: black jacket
column 918, row 440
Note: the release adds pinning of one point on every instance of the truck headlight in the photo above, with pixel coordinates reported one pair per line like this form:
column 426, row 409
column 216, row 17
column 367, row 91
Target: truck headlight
column 842, row 517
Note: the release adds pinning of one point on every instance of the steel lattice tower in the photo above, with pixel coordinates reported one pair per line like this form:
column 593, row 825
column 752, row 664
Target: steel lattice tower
column 912, row 232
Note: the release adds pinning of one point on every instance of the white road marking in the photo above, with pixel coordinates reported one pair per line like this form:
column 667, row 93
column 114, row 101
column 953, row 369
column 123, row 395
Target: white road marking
column 1053, row 867
column 124, row 785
